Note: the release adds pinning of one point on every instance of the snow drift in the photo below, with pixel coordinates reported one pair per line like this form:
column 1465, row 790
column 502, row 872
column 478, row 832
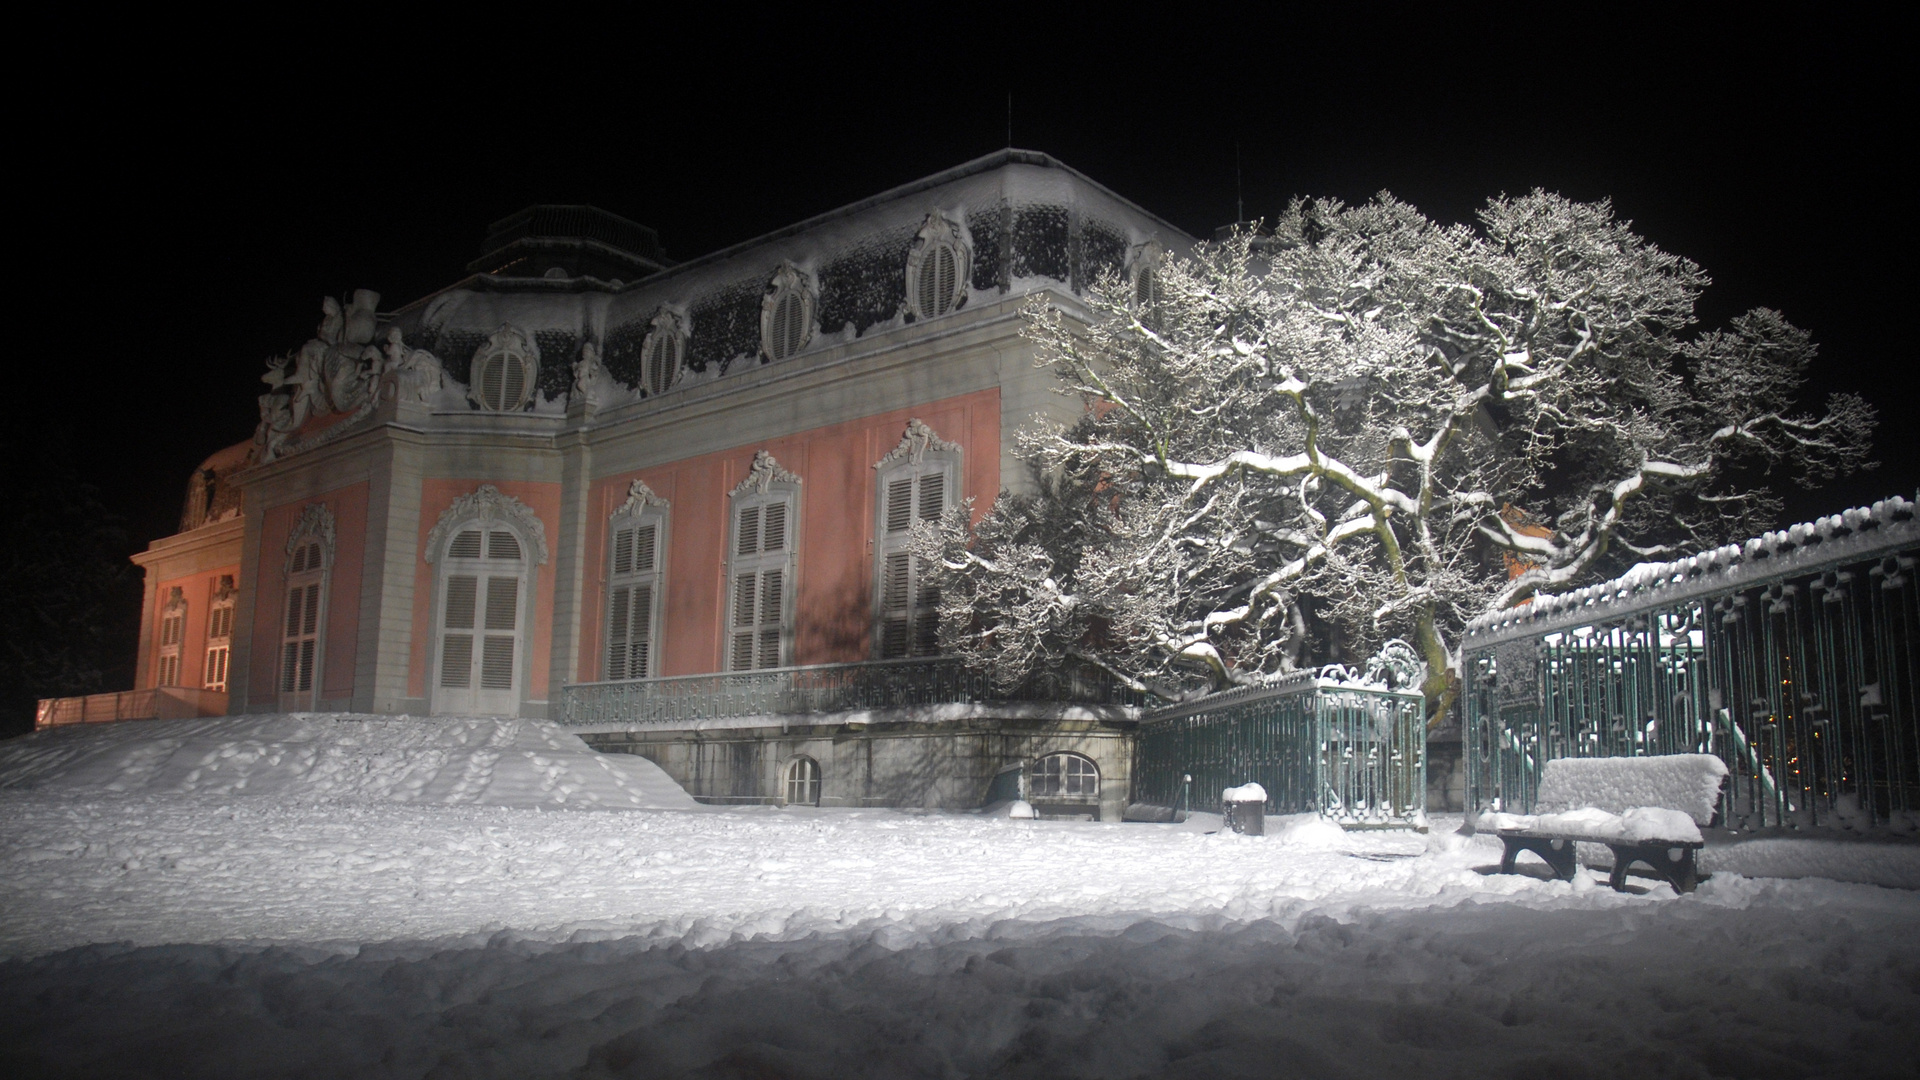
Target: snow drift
column 302, row 756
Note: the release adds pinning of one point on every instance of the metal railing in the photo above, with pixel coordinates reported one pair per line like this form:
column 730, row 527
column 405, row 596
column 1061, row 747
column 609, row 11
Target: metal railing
column 1795, row 658
column 1354, row 753
column 821, row 688
column 159, row 703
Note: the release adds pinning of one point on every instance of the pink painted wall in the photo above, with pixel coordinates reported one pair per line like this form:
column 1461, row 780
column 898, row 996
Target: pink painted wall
column 435, row 497
column 342, row 639
column 835, row 565
column 198, row 590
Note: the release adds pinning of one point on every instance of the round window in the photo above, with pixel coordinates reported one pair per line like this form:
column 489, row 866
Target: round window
column 787, row 330
column 937, row 289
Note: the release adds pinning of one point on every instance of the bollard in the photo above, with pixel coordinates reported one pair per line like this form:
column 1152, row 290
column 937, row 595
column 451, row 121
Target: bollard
column 1246, row 809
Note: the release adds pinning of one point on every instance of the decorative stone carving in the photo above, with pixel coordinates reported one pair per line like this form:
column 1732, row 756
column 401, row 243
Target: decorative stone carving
column 765, row 473
column 788, row 280
column 664, row 350
column 417, row 373
column 484, row 506
column 589, row 377
column 316, row 523
column 914, row 445
column 336, row 371
column 938, row 230
column 639, row 497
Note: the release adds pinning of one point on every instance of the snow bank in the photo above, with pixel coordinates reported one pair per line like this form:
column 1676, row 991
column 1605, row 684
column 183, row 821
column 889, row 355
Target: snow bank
column 437, row 760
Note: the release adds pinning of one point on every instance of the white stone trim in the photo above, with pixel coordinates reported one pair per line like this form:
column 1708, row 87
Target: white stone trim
column 764, row 473
column 316, row 523
column 914, row 444
column 487, row 505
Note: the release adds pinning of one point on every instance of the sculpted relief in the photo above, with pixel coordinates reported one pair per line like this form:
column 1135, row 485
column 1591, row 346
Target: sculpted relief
column 340, row 370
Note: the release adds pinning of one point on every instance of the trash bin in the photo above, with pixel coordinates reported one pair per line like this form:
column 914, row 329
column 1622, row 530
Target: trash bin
column 1245, row 808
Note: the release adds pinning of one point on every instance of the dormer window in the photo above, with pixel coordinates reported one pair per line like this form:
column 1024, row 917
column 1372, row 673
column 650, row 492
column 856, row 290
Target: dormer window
column 937, row 268
column 504, row 371
column 1149, row 301
column 666, row 345
column 786, row 314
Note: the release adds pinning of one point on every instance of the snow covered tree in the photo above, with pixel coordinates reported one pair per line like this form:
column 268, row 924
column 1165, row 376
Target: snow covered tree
column 1367, row 426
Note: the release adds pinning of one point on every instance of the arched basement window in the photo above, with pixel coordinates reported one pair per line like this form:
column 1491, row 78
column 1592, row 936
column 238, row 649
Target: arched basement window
column 803, row 782
column 1064, row 775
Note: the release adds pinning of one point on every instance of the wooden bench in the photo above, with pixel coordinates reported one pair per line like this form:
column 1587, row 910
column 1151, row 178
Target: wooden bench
column 1647, row 810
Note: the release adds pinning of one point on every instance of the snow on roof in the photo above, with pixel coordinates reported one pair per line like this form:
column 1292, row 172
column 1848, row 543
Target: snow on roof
column 1844, row 537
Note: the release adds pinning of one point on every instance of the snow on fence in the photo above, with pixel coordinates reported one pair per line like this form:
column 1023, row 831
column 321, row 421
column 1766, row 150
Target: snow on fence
column 820, row 688
column 1354, row 752
column 1794, row 657
column 156, row 703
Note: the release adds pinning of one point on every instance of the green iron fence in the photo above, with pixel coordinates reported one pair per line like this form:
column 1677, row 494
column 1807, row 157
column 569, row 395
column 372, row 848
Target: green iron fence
column 821, row 688
column 1792, row 657
column 1353, row 752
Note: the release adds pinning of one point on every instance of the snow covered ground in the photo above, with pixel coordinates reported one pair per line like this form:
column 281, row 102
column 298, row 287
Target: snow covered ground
column 318, row 896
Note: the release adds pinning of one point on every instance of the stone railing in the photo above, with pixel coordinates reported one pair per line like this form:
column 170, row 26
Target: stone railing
column 816, row 688
column 158, row 703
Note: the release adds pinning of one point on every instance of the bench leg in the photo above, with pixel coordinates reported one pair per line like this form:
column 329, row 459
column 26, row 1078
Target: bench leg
column 1560, row 859
column 1682, row 873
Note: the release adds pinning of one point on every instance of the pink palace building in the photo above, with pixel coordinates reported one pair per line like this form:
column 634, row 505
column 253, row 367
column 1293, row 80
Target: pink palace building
column 665, row 503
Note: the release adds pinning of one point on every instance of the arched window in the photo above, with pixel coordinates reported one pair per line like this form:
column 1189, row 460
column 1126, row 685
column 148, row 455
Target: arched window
column 504, row 371
column 786, row 313
column 918, row 482
column 665, row 347
column 173, row 632
column 309, row 557
column 937, row 268
column 486, row 546
column 1064, row 775
column 803, row 782
column 219, row 634
column 638, row 558
column 760, row 567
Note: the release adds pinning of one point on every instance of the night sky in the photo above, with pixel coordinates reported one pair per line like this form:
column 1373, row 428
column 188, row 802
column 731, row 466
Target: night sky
column 194, row 205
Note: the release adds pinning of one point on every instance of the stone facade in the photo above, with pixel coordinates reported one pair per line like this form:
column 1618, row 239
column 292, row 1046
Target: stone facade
column 474, row 452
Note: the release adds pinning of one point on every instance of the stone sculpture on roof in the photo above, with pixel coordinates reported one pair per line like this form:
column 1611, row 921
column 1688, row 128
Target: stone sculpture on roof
column 334, row 372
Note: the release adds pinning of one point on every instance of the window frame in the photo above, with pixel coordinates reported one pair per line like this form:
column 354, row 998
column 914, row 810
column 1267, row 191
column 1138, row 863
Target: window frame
column 787, row 281
column 666, row 328
column 921, row 453
column 766, row 484
column 936, row 233
column 172, row 638
column 506, row 345
column 311, row 535
column 642, row 509
column 486, row 510
column 1036, row 770
column 814, row 782
column 221, row 611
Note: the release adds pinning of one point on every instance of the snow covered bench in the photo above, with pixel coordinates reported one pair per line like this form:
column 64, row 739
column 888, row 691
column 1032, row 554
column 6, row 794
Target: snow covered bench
column 1647, row 810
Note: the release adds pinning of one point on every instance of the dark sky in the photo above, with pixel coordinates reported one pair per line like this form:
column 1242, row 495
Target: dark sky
column 195, row 204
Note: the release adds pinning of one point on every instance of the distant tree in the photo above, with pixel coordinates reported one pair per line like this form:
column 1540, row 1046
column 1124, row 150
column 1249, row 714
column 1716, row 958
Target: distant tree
column 1369, row 426
column 69, row 599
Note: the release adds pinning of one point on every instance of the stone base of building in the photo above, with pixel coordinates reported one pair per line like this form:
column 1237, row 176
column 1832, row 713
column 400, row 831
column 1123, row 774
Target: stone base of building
column 959, row 764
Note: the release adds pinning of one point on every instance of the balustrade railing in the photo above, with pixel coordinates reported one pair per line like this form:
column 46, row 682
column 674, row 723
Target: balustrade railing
column 820, row 688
